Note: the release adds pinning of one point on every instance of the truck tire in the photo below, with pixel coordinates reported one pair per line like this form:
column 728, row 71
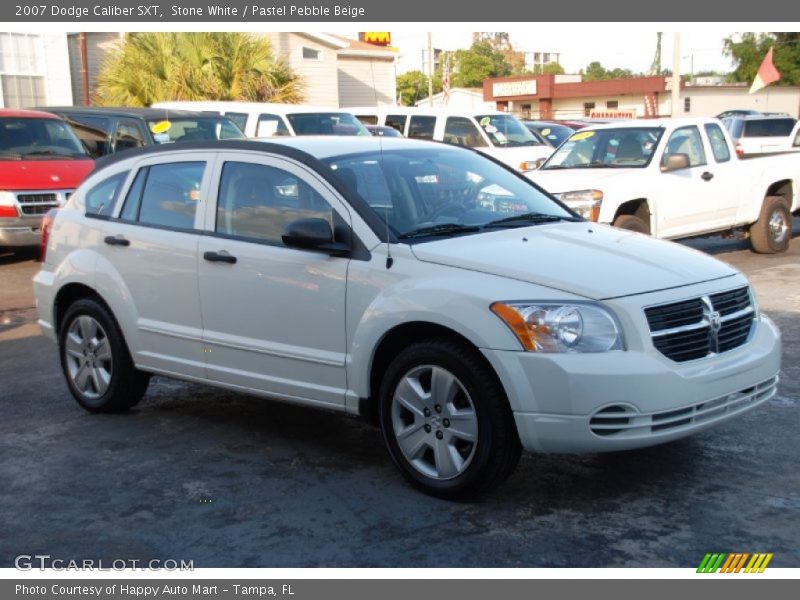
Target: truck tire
column 95, row 360
column 773, row 230
column 631, row 223
column 446, row 421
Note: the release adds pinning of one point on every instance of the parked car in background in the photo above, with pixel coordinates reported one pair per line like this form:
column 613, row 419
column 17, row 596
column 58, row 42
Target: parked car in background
column 41, row 163
column 383, row 131
column 746, row 112
column 107, row 130
column 551, row 132
column 675, row 178
column 425, row 287
column 261, row 119
column 759, row 134
column 500, row 135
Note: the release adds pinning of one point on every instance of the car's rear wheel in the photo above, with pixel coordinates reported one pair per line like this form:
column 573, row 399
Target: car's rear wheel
column 95, row 360
column 773, row 230
column 446, row 420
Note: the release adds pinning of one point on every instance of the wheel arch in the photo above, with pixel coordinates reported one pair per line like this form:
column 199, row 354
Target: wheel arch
column 783, row 188
column 638, row 207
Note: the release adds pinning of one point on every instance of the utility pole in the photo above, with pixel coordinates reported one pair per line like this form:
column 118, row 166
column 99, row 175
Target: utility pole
column 676, row 74
column 430, row 70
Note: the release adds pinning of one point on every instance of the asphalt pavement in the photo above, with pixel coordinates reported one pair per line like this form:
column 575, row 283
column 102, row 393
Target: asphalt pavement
column 227, row 480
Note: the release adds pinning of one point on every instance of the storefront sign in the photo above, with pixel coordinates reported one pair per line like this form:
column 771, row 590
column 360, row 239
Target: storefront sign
column 514, row 88
column 612, row 114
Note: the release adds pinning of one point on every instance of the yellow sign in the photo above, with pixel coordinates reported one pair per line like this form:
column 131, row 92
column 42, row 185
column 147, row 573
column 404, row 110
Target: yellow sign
column 378, row 38
column 161, row 127
column 581, row 135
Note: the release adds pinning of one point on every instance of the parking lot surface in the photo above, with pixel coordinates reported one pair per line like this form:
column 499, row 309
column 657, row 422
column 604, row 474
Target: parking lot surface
column 228, row 480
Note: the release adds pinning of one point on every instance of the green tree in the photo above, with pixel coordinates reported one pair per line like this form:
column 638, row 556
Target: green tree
column 747, row 50
column 481, row 61
column 595, row 72
column 152, row 67
column 552, row 68
column 412, row 87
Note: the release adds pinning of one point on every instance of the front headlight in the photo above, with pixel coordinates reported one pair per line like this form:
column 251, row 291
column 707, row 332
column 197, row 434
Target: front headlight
column 584, row 202
column 551, row 327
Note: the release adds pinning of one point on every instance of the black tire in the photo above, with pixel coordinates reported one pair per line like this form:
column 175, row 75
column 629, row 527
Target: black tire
column 773, row 230
column 493, row 456
column 631, row 223
column 126, row 384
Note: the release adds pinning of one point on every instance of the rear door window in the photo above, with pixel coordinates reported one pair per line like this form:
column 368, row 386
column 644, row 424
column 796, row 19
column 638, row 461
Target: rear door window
column 397, row 122
column 128, row 136
column 768, row 127
column 421, row 127
column 165, row 195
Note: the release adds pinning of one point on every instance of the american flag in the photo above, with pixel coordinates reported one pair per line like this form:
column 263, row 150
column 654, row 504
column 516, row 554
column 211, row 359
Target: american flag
column 446, row 83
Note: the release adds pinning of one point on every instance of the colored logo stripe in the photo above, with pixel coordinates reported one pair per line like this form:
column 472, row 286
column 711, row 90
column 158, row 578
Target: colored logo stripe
column 734, row 562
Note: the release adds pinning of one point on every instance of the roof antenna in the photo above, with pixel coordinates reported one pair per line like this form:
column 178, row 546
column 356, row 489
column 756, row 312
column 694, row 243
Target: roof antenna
column 389, row 259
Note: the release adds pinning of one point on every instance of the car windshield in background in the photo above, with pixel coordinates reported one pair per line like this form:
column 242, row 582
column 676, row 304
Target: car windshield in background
column 326, row 124
column 554, row 134
column 193, row 129
column 431, row 192
column 627, row 147
column 38, row 139
column 768, row 127
column 506, row 131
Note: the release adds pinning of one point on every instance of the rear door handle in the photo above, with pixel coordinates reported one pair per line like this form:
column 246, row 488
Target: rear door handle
column 221, row 256
column 707, row 176
column 116, row 240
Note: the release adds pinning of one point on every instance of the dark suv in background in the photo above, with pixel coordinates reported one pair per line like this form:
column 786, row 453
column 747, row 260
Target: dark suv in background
column 107, row 130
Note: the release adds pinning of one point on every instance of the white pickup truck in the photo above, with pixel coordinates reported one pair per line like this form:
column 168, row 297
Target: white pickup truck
column 675, row 178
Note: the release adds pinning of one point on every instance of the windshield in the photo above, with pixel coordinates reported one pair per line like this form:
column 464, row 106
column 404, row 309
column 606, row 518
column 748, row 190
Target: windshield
column 193, row 129
column 326, row 124
column 40, row 139
column 554, row 134
column 628, row 147
column 416, row 189
column 506, row 131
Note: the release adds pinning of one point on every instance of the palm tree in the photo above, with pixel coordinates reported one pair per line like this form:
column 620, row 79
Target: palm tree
column 153, row 67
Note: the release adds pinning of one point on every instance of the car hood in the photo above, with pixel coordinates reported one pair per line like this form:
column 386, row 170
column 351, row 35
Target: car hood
column 587, row 259
column 43, row 174
column 571, row 180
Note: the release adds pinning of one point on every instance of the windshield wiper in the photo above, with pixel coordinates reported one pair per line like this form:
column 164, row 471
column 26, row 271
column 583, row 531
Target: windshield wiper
column 50, row 153
column 441, row 229
column 532, row 217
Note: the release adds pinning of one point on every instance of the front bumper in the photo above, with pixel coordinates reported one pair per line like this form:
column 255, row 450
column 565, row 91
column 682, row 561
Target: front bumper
column 21, row 232
column 630, row 399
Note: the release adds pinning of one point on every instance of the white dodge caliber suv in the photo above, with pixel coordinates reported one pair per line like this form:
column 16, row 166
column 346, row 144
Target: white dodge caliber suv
column 423, row 286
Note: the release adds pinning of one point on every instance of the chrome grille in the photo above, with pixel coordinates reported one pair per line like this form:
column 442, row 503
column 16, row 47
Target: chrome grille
column 699, row 327
column 39, row 203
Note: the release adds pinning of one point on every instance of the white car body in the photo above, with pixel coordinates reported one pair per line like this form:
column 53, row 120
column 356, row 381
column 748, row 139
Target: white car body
column 794, row 139
column 306, row 327
column 712, row 197
column 402, row 119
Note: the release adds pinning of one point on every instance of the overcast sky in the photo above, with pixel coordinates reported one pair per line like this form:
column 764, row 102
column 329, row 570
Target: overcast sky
column 630, row 46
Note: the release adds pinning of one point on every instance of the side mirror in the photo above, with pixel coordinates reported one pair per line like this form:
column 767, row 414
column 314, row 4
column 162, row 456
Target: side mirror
column 313, row 234
column 674, row 162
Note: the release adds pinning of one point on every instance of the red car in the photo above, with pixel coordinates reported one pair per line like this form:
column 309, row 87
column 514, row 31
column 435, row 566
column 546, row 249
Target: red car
column 41, row 163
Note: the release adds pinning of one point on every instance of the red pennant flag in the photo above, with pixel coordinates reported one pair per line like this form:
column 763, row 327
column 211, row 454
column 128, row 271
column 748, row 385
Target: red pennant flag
column 767, row 73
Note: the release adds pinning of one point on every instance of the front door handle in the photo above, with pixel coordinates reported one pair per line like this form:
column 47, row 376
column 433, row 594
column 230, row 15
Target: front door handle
column 707, row 176
column 116, row 240
column 221, row 256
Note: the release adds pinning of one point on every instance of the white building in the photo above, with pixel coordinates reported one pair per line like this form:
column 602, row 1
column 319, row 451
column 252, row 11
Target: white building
column 34, row 69
column 461, row 99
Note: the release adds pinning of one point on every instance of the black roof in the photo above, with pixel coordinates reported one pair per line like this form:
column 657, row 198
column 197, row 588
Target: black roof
column 124, row 111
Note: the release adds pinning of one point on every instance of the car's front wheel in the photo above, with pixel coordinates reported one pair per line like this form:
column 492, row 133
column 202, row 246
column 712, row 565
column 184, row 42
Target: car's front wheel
column 446, row 420
column 95, row 360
